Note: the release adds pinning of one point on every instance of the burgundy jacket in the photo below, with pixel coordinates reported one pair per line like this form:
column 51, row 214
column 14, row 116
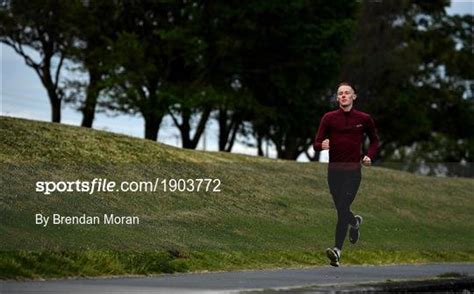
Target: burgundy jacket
column 345, row 131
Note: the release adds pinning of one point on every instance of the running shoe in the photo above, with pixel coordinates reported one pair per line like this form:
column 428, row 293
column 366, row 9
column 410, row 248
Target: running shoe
column 354, row 231
column 334, row 256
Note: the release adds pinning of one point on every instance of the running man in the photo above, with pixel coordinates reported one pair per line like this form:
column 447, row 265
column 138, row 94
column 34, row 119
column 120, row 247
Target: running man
column 342, row 133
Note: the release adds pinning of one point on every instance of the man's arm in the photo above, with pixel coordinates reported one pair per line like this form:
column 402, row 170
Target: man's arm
column 371, row 132
column 323, row 133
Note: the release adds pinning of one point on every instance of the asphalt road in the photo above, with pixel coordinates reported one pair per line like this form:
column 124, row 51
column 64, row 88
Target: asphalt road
column 232, row 282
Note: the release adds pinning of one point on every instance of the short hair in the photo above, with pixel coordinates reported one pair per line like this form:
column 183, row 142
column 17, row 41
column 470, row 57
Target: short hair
column 346, row 84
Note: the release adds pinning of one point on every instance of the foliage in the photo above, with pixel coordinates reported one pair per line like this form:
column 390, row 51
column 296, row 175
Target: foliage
column 409, row 61
column 43, row 26
column 262, row 69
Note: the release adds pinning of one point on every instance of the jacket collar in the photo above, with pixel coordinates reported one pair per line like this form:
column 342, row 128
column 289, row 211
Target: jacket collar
column 348, row 112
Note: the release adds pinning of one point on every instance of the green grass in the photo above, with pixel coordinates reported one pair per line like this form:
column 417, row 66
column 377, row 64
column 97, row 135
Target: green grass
column 270, row 213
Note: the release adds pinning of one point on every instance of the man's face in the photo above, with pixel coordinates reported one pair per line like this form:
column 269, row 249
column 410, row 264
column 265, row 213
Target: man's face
column 345, row 96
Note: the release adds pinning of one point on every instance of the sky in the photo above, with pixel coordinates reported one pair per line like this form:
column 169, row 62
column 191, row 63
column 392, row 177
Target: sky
column 22, row 95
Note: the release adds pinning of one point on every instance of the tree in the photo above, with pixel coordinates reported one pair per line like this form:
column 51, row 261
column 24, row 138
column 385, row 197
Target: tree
column 290, row 54
column 211, row 74
column 137, row 82
column 218, row 25
column 157, row 54
column 233, row 109
column 96, row 24
column 411, row 61
column 193, row 97
column 45, row 27
column 188, row 106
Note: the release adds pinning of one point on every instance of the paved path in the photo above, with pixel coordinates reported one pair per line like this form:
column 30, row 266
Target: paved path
column 231, row 282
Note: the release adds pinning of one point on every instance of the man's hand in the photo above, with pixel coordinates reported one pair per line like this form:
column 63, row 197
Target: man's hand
column 325, row 144
column 366, row 161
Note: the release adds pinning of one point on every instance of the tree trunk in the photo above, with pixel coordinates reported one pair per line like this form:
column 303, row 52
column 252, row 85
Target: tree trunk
column 289, row 154
column 201, row 126
column 54, row 100
column 231, row 141
column 89, row 111
column 223, row 129
column 52, row 89
column 93, row 91
column 152, row 126
column 289, row 149
column 185, row 128
column 259, row 146
column 228, row 130
column 55, row 110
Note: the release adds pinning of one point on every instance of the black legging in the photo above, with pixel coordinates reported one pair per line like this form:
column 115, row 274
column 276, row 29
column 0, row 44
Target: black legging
column 343, row 185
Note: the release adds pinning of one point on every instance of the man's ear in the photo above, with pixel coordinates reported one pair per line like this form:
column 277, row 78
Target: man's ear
column 355, row 97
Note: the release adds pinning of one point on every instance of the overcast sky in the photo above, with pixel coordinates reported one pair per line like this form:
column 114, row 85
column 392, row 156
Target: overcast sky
column 22, row 95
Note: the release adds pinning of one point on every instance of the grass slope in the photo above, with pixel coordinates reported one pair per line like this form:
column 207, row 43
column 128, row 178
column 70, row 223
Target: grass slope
column 270, row 213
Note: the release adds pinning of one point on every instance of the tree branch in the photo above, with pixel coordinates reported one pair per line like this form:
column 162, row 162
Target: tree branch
column 19, row 49
column 202, row 125
column 58, row 69
column 175, row 120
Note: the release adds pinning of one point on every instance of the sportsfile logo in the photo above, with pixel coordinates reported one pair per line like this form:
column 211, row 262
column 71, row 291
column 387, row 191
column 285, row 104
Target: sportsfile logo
column 98, row 185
